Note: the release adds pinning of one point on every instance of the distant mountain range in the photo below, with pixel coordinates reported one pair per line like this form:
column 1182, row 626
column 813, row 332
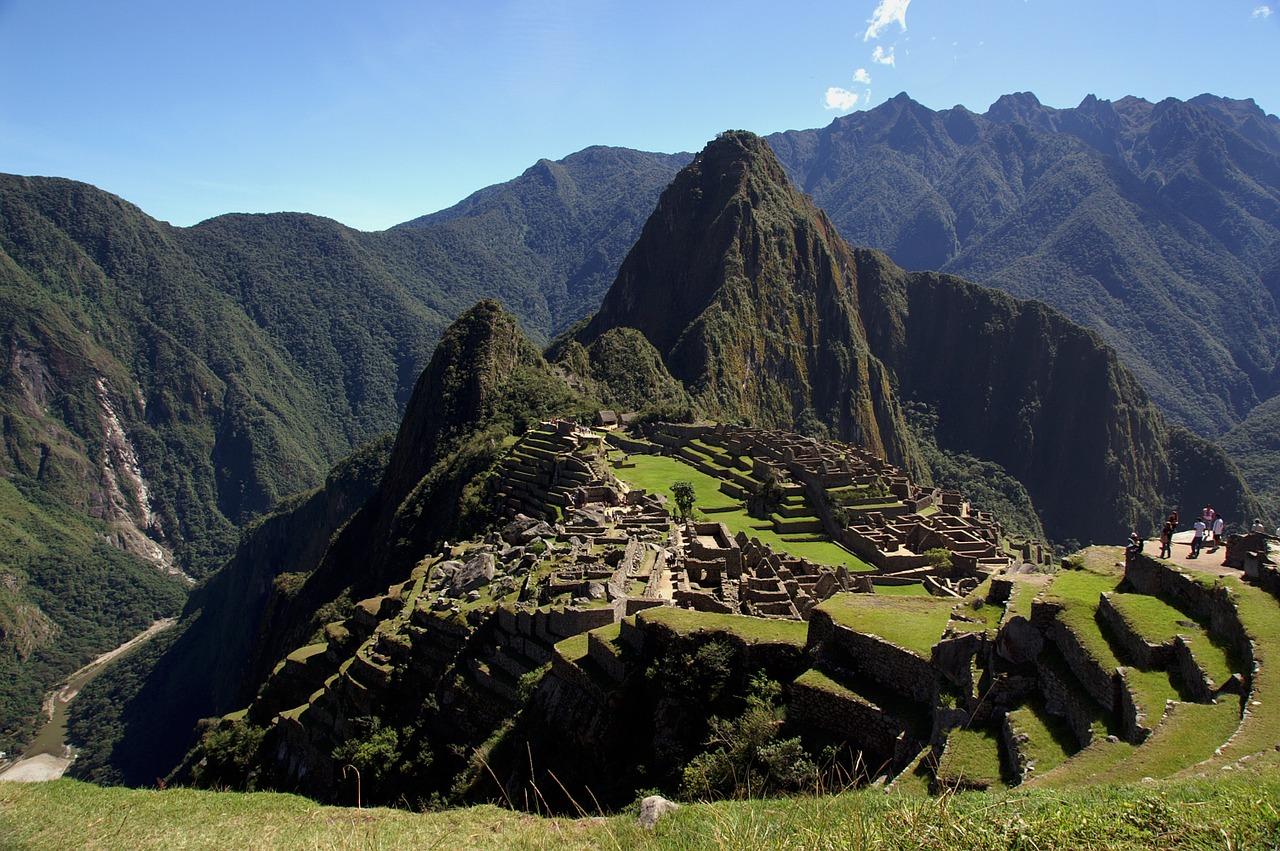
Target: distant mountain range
column 163, row 386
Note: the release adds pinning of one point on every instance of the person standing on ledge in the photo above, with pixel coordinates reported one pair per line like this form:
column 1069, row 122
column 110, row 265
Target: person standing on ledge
column 1166, row 537
column 1197, row 539
column 1218, row 526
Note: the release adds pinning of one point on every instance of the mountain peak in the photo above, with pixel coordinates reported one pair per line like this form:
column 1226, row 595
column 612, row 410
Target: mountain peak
column 745, row 290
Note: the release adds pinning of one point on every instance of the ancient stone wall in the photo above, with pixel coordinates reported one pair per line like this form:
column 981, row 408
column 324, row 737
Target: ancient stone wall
column 841, row 712
column 893, row 667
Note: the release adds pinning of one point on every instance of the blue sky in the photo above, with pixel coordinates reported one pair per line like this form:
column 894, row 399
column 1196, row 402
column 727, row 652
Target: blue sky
column 373, row 113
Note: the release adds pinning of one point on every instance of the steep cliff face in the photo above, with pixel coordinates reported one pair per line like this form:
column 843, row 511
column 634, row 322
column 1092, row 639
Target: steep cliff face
column 765, row 313
column 749, row 294
column 1018, row 383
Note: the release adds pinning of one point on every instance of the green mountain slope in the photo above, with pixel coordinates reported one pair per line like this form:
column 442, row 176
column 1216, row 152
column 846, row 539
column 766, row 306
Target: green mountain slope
column 749, row 295
column 1149, row 223
column 66, row 595
column 560, row 229
column 166, row 385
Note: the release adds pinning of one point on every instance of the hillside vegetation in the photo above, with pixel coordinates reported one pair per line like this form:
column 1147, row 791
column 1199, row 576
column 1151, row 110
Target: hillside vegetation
column 1152, row 224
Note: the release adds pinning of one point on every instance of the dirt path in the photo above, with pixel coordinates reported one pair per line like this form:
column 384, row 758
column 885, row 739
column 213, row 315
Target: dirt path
column 48, row 756
column 1209, row 560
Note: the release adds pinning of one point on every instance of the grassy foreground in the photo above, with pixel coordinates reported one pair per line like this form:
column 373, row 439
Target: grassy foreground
column 1240, row 813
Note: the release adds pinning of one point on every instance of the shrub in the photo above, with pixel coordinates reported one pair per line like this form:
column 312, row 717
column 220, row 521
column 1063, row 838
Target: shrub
column 745, row 755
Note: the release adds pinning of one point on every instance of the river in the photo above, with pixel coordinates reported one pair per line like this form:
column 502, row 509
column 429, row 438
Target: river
column 48, row 756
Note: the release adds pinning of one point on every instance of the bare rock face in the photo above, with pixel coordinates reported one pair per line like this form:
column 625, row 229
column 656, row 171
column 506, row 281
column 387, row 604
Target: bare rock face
column 476, row 573
column 654, row 808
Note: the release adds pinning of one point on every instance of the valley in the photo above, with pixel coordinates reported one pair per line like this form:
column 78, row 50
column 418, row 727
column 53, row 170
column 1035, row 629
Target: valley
column 48, row 756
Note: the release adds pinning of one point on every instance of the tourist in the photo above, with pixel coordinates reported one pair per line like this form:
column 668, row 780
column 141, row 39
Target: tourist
column 1135, row 544
column 1166, row 538
column 1258, row 527
column 1176, row 519
column 1197, row 538
column 1218, row 526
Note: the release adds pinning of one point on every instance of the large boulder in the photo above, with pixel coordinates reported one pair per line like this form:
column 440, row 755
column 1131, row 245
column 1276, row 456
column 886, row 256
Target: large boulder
column 476, row 573
column 653, row 808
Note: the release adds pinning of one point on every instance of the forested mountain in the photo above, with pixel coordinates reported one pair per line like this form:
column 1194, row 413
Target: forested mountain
column 561, row 228
column 162, row 386
column 740, row 288
column 1152, row 224
column 377, row 513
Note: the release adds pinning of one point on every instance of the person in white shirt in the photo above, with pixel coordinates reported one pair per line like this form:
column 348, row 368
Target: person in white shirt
column 1217, row 531
column 1197, row 538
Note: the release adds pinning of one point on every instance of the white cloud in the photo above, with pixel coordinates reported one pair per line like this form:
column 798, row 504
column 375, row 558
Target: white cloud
column 1261, row 12
column 882, row 56
column 886, row 12
column 861, row 76
column 838, row 98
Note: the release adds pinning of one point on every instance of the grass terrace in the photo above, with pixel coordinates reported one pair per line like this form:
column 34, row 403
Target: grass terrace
column 910, row 589
column 1078, row 591
column 1048, row 742
column 913, row 623
column 574, row 648
column 1260, row 729
column 1158, row 622
column 656, row 473
column 1188, row 735
column 750, row 629
column 972, row 757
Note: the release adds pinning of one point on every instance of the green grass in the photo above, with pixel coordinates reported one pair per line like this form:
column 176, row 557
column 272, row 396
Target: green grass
column 815, row 679
column 750, row 629
column 655, row 473
column 913, row 589
column 1158, row 622
column 573, row 648
column 1188, row 735
column 1021, row 596
column 302, row 654
column 1048, row 741
column 913, row 623
column 971, row 756
column 1230, row 814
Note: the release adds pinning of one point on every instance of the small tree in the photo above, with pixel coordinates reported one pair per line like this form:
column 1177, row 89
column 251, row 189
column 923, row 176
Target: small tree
column 939, row 558
column 685, row 497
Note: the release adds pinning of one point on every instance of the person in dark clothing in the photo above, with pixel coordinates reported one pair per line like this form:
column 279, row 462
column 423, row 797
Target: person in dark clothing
column 1166, row 538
